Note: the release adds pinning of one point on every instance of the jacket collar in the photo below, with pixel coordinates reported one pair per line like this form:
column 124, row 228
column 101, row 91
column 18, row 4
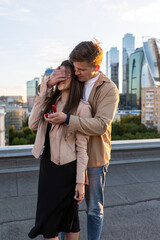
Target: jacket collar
column 102, row 78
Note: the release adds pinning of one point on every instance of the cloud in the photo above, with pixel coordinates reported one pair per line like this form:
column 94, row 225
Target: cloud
column 24, row 10
column 146, row 14
column 14, row 11
column 121, row 5
column 100, row 1
column 2, row 2
column 51, row 51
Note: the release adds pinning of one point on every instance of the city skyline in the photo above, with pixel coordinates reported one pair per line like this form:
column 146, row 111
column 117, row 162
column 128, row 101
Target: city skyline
column 37, row 36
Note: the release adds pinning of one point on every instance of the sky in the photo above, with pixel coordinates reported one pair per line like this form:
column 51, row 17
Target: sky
column 37, row 34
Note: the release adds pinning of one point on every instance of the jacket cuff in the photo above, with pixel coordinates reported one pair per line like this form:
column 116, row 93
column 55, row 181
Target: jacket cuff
column 80, row 178
column 67, row 119
column 72, row 123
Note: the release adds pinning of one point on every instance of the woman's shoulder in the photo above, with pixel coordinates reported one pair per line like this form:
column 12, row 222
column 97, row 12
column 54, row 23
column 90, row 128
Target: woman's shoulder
column 84, row 109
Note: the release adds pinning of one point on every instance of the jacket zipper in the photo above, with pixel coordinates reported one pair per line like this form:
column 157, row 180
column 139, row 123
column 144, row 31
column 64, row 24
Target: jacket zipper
column 59, row 163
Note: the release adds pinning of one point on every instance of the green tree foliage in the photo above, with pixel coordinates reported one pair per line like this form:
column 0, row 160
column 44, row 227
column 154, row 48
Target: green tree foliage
column 25, row 123
column 23, row 137
column 130, row 127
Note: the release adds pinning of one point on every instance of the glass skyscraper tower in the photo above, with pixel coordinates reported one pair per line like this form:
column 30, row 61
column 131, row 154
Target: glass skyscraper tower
column 135, row 74
column 112, row 65
column 128, row 48
column 151, row 63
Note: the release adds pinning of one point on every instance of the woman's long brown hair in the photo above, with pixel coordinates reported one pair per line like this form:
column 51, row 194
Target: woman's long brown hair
column 75, row 93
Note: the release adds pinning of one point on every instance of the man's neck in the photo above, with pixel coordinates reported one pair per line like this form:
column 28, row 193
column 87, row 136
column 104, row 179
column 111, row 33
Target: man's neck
column 95, row 75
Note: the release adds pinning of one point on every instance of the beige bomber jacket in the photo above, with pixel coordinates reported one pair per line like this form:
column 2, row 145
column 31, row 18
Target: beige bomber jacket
column 64, row 147
column 103, row 99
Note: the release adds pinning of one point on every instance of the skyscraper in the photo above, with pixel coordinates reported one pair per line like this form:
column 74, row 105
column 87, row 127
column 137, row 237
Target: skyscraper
column 151, row 63
column 31, row 91
column 128, row 48
column 134, row 84
column 112, row 65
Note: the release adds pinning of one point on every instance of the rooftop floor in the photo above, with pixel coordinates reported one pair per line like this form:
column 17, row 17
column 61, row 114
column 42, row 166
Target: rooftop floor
column 132, row 192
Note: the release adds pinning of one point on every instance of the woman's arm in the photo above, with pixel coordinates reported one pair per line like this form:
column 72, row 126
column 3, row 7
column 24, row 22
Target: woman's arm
column 36, row 113
column 82, row 156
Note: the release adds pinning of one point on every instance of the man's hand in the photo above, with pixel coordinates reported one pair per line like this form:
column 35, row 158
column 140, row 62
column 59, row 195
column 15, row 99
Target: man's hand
column 56, row 118
column 57, row 76
column 79, row 192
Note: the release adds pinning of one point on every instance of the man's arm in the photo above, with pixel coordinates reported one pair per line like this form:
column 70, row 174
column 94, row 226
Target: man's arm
column 106, row 109
column 97, row 125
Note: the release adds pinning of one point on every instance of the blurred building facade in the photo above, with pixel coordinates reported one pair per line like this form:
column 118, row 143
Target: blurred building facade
column 151, row 83
column 112, row 65
column 11, row 100
column 151, row 107
column 48, row 72
column 135, row 75
column 151, row 62
column 13, row 117
column 2, row 126
column 15, row 112
column 32, row 90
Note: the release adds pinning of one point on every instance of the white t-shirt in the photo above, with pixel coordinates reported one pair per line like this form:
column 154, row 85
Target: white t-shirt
column 88, row 87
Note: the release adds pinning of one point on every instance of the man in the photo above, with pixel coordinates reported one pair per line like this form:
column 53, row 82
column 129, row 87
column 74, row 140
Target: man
column 103, row 96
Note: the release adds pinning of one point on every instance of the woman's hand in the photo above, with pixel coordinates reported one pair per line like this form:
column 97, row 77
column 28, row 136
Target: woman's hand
column 56, row 118
column 79, row 192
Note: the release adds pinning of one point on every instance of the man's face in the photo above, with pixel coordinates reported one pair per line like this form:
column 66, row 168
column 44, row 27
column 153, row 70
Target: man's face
column 84, row 71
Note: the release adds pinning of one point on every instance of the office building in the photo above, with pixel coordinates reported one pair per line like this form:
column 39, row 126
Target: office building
column 112, row 65
column 32, row 90
column 151, row 62
column 134, row 84
column 128, row 48
column 2, row 126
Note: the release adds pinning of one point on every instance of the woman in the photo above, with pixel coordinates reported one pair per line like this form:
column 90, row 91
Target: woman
column 64, row 158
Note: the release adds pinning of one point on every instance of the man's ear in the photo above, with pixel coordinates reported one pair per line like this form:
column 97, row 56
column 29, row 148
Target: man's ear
column 97, row 67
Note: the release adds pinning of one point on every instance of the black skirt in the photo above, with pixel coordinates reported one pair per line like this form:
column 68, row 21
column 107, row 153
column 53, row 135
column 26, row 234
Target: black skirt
column 57, row 211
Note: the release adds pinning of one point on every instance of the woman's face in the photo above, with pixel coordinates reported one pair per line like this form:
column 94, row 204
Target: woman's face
column 65, row 85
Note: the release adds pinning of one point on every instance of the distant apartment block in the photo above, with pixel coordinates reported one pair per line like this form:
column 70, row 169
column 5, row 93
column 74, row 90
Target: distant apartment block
column 11, row 100
column 151, row 107
column 112, row 65
column 128, row 44
column 2, row 126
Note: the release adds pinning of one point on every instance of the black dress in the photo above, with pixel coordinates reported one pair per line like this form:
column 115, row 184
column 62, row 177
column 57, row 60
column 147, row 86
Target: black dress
column 57, row 211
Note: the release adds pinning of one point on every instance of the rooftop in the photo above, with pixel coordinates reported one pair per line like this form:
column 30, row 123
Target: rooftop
column 132, row 196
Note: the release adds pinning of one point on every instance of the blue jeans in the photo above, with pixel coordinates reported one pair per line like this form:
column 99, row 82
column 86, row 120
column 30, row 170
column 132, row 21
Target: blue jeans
column 94, row 197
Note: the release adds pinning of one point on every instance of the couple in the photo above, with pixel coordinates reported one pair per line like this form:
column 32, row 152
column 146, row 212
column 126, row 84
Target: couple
column 75, row 138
